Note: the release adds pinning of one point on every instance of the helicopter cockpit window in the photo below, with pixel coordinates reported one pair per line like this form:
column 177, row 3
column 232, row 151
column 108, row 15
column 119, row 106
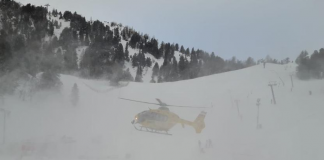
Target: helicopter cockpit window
column 153, row 116
column 161, row 117
column 147, row 115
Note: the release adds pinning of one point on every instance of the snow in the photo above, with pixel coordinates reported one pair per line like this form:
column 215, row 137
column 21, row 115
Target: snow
column 80, row 50
column 147, row 72
column 131, row 50
column 177, row 55
column 99, row 127
column 65, row 24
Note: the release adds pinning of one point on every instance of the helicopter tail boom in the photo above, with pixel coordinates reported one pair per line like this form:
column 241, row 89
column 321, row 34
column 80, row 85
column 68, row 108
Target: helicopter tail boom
column 198, row 124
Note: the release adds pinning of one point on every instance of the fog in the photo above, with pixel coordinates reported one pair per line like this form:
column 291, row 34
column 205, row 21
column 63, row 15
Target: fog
column 49, row 126
column 77, row 88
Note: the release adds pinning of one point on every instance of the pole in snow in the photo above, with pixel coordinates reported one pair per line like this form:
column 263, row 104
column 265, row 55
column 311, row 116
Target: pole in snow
column 271, row 84
column 238, row 109
column 259, row 126
column 292, row 82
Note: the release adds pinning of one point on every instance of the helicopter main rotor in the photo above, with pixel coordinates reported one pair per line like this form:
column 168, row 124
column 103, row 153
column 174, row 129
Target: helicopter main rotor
column 161, row 104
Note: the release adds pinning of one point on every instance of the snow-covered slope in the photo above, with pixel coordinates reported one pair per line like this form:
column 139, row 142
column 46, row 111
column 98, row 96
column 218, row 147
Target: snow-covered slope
column 147, row 73
column 99, row 127
column 81, row 49
column 62, row 23
column 80, row 52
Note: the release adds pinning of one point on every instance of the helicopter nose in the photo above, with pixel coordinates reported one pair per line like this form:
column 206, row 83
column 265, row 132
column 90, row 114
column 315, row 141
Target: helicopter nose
column 132, row 121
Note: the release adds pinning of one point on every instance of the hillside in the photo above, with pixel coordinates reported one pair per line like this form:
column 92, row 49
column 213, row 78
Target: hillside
column 62, row 78
column 99, row 127
column 36, row 39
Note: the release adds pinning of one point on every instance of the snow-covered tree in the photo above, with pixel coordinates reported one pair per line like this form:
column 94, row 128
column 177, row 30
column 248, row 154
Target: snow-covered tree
column 155, row 70
column 50, row 81
column 249, row 62
column 139, row 75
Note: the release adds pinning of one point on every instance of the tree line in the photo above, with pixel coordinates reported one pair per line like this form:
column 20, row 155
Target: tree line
column 310, row 66
column 29, row 46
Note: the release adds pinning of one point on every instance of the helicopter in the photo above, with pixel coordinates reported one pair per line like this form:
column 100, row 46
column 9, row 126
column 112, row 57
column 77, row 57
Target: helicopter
column 161, row 120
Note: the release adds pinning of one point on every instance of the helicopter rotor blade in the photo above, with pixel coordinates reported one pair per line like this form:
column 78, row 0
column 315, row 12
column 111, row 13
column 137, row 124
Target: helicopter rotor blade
column 159, row 100
column 139, row 101
column 185, row 106
column 161, row 103
column 166, row 105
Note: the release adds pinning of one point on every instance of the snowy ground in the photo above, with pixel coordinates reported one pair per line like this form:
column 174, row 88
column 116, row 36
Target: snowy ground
column 48, row 127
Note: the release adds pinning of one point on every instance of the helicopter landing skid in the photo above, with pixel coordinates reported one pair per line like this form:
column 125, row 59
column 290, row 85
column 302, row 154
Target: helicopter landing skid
column 144, row 129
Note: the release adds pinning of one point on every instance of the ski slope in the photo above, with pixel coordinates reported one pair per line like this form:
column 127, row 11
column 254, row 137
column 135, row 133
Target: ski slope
column 100, row 126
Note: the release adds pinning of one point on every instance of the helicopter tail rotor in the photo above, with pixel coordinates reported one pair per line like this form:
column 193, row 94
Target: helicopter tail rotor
column 199, row 123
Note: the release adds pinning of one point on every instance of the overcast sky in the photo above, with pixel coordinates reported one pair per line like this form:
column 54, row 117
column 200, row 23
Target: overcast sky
column 241, row 28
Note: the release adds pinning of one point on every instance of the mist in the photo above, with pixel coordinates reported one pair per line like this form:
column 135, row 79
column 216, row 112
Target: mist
column 234, row 84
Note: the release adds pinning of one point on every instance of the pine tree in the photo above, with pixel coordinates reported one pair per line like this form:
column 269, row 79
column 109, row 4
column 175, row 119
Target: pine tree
column 187, row 52
column 139, row 75
column 249, row 62
column 301, row 56
column 75, row 95
column 161, row 49
column 182, row 65
column 148, row 62
column 193, row 51
column 51, row 29
column 66, row 37
column 87, row 40
column 119, row 55
column 134, row 40
column 155, row 70
column 70, row 59
column 127, row 75
column 182, row 50
column 126, row 53
column 116, row 38
column 177, row 47
column 135, row 61
column 50, row 81
column 174, row 75
column 139, row 60
column 81, row 35
column 5, row 51
column 67, row 15
column 303, row 68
